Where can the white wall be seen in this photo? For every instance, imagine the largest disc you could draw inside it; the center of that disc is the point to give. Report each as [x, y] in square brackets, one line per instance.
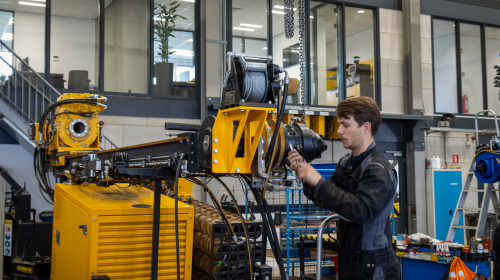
[492, 59]
[73, 40]
[360, 44]
[472, 78]
[279, 43]
[29, 38]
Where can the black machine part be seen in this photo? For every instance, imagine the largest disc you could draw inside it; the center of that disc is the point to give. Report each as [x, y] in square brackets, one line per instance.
[21, 198]
[449, 117]
[265, 272]
[251, 79]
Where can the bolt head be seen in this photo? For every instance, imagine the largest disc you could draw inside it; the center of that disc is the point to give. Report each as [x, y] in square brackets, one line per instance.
[215, 161]
[237, 170]
[190, 217]
[92, 272]
[226, 114]
[215, 150]
[95, 220]
[216, 140]
[242, 110]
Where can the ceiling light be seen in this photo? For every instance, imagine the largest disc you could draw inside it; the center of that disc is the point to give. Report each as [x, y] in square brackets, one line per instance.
[38, 0]
[251, 25]
[192, 1]
[158, 19]
[190, 40]
[264, 48]
[31, 4]
[7, 37]
[282, 7]
[311, 16]
[183, 52]
[244, 29]
[278, 12]
[361, 11]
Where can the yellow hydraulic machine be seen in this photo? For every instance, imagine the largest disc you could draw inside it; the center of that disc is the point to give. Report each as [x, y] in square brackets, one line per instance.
[110, 218]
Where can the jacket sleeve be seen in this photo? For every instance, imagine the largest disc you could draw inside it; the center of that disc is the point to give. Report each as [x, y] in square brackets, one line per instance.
[367, 202]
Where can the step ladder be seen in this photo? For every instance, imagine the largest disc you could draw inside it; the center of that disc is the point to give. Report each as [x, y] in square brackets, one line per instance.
[490, 192]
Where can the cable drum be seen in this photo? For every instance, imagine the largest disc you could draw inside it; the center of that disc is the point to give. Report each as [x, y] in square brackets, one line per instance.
[255, 87]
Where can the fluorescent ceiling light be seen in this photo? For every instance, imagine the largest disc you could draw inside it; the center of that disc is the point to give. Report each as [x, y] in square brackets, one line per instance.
[190, 40]
[283, 7]
[264, 48]
[31, 4]
[38, 0]
[183, 52]
[157, 19]
[278, 12]
[192, 1]
[244, 29]
[361, 11]
[251, 25]
[311, 16]
[7, 37]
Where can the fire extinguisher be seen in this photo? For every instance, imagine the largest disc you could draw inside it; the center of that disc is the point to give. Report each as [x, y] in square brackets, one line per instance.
[465, 104]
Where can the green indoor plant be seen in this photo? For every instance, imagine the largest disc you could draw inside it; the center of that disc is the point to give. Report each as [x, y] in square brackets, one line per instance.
[165, 17]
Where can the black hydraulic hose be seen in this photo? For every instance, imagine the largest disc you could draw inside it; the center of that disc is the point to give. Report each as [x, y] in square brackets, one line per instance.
[271, 235]
[176, 197]
[58, 103]
[276, 127]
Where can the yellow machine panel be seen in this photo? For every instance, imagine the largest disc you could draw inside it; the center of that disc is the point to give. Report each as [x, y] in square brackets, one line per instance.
[108, 231]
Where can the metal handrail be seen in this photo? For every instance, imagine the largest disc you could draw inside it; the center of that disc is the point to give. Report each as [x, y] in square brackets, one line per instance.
[320, 243]
[29, 67]
[496, 122]
[112, 144]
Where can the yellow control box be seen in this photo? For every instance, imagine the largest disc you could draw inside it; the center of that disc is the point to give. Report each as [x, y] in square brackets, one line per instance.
[108, 231]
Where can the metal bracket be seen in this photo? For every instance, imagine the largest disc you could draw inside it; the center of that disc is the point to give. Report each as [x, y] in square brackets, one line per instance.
[58, 235]
[84, 227]
[261, 166]
[395, 153]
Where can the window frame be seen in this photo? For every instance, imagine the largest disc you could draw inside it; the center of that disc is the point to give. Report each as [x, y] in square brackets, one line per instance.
[484, 78]
[150, 68]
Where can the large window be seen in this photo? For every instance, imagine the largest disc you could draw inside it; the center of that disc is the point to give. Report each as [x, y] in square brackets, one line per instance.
[181, 44]
[250, 27]
[328, 46]
[74, 45]
[492, 59]
[459, 85]
[7, 36]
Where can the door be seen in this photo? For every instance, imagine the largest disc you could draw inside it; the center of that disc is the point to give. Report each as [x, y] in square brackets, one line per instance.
[447, 189]
[388, 149]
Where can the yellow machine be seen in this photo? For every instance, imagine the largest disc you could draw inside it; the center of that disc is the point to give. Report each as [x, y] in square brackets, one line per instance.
[107, 221]
[107, 231]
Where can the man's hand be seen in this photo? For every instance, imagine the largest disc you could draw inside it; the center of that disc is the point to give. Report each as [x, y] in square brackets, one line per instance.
[304, 171]
[294, 158]
[308, 174]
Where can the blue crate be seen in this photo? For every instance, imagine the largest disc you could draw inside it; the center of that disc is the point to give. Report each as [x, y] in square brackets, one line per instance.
[325, 169]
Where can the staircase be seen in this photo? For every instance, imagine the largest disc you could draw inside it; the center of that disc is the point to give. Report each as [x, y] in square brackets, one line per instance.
[24, 96]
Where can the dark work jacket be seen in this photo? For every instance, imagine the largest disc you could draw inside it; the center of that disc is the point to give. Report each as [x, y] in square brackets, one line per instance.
[362, 191]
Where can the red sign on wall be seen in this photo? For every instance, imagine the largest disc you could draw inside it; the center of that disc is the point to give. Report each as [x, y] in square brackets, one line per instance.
[463, 74]
[455, 158]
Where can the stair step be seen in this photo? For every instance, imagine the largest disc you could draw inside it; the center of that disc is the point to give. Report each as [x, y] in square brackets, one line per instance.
[474, 190]
[469, 208]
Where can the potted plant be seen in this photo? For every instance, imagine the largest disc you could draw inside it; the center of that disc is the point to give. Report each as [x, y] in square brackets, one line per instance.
[164, 25]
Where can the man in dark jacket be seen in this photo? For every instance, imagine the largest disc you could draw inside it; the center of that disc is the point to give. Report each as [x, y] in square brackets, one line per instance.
[361, 191]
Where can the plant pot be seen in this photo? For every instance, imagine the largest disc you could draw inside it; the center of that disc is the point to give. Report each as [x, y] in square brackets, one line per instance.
[164, 73]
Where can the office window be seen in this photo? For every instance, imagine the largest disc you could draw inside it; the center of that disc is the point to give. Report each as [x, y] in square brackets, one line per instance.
[326, 46]
[471, 68]
[180, 62]
[250, 27]
[492, 59]
[7, 36]
[445, 66]
[286, 51]
[74, 45]
[126, 46]
[324, 60]
[360, 52]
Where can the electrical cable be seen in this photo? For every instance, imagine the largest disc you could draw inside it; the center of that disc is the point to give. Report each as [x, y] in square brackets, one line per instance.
[33, 233]
[278, 122]
[242, 220]
[177, 173]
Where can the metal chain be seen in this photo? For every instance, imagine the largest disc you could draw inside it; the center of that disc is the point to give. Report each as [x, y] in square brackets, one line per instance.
[301, 56]
[288, 18]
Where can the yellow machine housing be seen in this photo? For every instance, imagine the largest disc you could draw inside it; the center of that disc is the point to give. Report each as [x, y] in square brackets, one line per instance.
[74, 133]
[118, 222]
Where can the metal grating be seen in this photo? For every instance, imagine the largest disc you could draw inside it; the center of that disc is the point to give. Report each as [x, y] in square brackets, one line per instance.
[124, 250]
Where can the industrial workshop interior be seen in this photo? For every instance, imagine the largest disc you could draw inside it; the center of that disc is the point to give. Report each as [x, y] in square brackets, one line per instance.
[250, 139]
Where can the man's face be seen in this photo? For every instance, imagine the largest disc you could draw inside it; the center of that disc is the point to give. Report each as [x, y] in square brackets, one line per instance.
[351, 134]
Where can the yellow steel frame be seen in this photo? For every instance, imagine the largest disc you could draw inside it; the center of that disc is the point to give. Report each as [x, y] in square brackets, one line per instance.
[251, 123]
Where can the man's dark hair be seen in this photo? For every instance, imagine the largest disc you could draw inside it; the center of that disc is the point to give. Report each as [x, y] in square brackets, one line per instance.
[363, 109]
